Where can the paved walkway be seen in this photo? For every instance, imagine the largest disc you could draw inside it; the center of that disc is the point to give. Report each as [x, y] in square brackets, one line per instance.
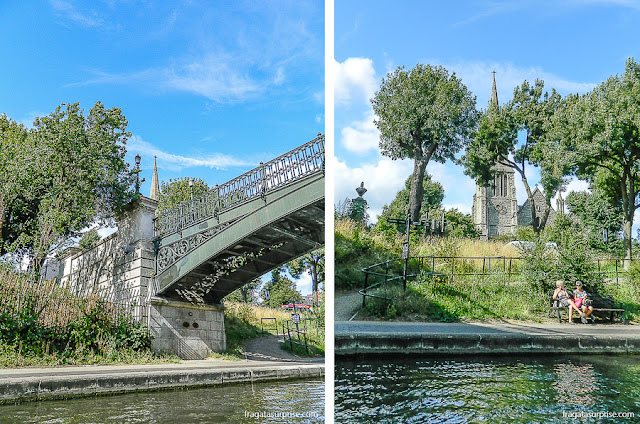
[508, 338]
[267, 348]
[18, 384]
[506, 328]
[346, 304]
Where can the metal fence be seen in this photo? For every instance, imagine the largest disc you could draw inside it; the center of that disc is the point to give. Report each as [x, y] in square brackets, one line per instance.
[300, 162]
[381, 273]
[57, 307]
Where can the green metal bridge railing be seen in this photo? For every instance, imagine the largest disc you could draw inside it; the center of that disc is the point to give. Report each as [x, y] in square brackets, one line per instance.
[298, 163]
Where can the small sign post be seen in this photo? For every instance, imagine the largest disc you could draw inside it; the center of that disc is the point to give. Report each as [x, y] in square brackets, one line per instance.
[405, 246]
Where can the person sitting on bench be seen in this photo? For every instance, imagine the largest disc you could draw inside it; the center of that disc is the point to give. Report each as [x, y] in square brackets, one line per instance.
[580, 298]
[561, 295]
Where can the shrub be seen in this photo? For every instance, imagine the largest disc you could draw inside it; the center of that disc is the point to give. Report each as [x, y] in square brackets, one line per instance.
[42, 319]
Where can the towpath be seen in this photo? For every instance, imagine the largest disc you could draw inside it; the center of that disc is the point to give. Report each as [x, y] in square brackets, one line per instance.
[23, 384]
[391, 338]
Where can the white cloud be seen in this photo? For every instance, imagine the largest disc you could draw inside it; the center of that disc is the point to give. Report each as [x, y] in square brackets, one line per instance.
[177, 163]
[361, 136]
[355, 79]
[383, 179]
[279, 79]
[461, 207]
[304, 284]
[478, 79]
[219, 78]
[85, 19]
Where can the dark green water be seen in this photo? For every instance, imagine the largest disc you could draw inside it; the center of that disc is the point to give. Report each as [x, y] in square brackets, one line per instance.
[488, 390]
[302, 401]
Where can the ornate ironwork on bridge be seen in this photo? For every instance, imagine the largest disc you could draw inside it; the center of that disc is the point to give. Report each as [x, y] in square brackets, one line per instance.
[298, 163]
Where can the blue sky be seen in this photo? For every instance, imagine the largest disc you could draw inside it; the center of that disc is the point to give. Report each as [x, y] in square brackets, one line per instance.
[572, 45]
[211, 88]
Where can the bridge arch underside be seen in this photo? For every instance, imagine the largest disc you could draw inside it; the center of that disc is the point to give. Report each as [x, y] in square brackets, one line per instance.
[247, 242]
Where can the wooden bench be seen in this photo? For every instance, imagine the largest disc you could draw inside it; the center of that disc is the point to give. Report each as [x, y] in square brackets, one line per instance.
[603, 307]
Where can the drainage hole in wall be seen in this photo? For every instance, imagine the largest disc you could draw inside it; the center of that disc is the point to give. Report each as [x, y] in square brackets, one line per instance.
[196, 325]
[185, 324]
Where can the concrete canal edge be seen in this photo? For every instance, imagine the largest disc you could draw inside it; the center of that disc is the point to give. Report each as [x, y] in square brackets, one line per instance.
[359, 344]
[23, 385]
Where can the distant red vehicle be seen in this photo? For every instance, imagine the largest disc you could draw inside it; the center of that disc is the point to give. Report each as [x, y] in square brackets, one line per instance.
[298, 306]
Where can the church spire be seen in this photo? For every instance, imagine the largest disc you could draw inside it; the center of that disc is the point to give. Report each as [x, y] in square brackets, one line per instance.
[155, 185]
[494, 92]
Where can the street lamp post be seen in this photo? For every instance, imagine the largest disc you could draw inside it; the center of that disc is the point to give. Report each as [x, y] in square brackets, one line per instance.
[137, 170]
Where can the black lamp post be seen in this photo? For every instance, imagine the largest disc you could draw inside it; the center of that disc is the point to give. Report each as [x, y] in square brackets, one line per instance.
[137, 170]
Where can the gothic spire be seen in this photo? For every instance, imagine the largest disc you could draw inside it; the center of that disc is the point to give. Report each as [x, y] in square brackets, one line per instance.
[155, 185]
[494, 92]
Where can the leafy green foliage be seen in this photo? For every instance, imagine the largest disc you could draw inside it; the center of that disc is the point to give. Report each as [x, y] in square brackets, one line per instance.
[89, 240]
[247, 293]
[312, 263]
[571, 261]
[354, 250]
[177, 191]
[238, 330]
[596, 213]
[433, 193]
[44, 320]
[423, 114]
[436, 298]
[601, 130]
[358, 210]
[72, 173]
[458, 224]
[279, 290]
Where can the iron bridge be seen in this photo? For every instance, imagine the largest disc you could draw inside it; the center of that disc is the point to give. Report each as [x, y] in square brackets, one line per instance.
[207, 247]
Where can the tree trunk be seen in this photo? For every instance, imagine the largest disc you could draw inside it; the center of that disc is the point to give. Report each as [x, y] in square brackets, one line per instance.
[532, 204]
[628, 208]
[628, 224]
[417, 188]
[545, 216]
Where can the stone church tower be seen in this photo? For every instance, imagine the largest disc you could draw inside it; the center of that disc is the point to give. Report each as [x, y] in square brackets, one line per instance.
[495, 208]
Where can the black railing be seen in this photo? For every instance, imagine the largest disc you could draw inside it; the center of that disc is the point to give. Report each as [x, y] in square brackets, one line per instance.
[275, 324]
[393, 270]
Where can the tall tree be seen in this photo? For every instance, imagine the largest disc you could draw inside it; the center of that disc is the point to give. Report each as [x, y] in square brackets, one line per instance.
[597, 212]
[176, 191]
[496, 142]
[17, 201]
[280, 289]
[602, 130]
[433, 194]
[423, 114]
[246, 293]
[74, 174]
[312, 263]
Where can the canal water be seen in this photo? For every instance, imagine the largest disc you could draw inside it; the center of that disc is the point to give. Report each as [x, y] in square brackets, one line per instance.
[273, 402]
[489, 390]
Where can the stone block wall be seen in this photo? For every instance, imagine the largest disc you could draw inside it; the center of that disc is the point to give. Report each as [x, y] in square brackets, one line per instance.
[121, 268]
[187, 330]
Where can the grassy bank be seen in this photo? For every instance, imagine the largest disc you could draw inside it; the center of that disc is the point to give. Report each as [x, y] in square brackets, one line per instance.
[493, 288]
[42, 324]
[473, 298]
